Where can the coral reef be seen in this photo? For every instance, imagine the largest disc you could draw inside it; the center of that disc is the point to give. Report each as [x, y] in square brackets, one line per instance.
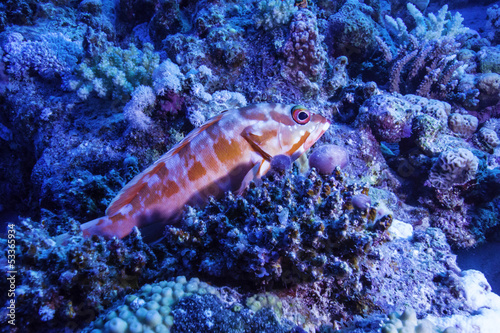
[280, 232]
[70, 285]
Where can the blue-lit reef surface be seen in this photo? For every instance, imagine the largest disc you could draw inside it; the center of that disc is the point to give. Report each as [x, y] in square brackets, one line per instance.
[363, 239]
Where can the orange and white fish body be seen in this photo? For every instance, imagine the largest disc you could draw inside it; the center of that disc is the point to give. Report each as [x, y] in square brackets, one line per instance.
[224, 154]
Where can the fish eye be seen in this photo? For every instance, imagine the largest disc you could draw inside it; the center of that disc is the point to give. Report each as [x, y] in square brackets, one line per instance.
[301, 115]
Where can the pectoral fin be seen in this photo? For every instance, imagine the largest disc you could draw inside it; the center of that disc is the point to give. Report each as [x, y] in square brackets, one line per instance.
[303, 163]
[259, 170]
[258, 139]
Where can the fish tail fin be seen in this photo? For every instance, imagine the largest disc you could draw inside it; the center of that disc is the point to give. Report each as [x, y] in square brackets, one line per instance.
[62, 239]
[107, 227]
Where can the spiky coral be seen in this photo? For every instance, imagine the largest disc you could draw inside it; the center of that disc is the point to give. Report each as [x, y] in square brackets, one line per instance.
[426, 56]
[428, 69]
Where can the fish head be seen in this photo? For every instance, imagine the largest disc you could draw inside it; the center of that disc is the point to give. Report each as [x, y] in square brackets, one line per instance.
[300, 131]
[279, 129]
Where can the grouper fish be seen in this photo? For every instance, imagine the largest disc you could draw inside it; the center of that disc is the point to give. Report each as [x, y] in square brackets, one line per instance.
[224, 154]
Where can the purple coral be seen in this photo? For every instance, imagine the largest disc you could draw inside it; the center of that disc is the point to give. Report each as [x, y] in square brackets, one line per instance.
[305, 57]
[389, 117]
[52, 57]
[281, 163]
[361, 201]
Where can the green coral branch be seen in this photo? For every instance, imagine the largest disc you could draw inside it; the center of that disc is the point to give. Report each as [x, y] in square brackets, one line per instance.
[116, 72]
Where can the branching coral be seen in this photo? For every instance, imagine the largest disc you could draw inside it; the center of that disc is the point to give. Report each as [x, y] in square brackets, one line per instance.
[427, 28]
[115, 72]
[428, 69]
[436, 26]
[426, 56]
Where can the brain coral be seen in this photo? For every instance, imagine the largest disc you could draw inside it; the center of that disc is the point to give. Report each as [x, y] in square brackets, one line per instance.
[488, 138]
[465, 125]
[453, 167]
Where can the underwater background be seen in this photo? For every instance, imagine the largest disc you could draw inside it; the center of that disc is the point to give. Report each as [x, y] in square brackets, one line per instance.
[395, 227]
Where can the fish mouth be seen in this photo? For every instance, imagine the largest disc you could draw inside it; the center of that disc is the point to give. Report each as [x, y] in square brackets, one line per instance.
[322, 126]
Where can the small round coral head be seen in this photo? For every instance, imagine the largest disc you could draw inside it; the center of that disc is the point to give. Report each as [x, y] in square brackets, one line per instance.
[327, 157]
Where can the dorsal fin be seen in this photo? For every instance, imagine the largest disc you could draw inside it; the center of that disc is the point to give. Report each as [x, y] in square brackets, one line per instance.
[130, 191]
